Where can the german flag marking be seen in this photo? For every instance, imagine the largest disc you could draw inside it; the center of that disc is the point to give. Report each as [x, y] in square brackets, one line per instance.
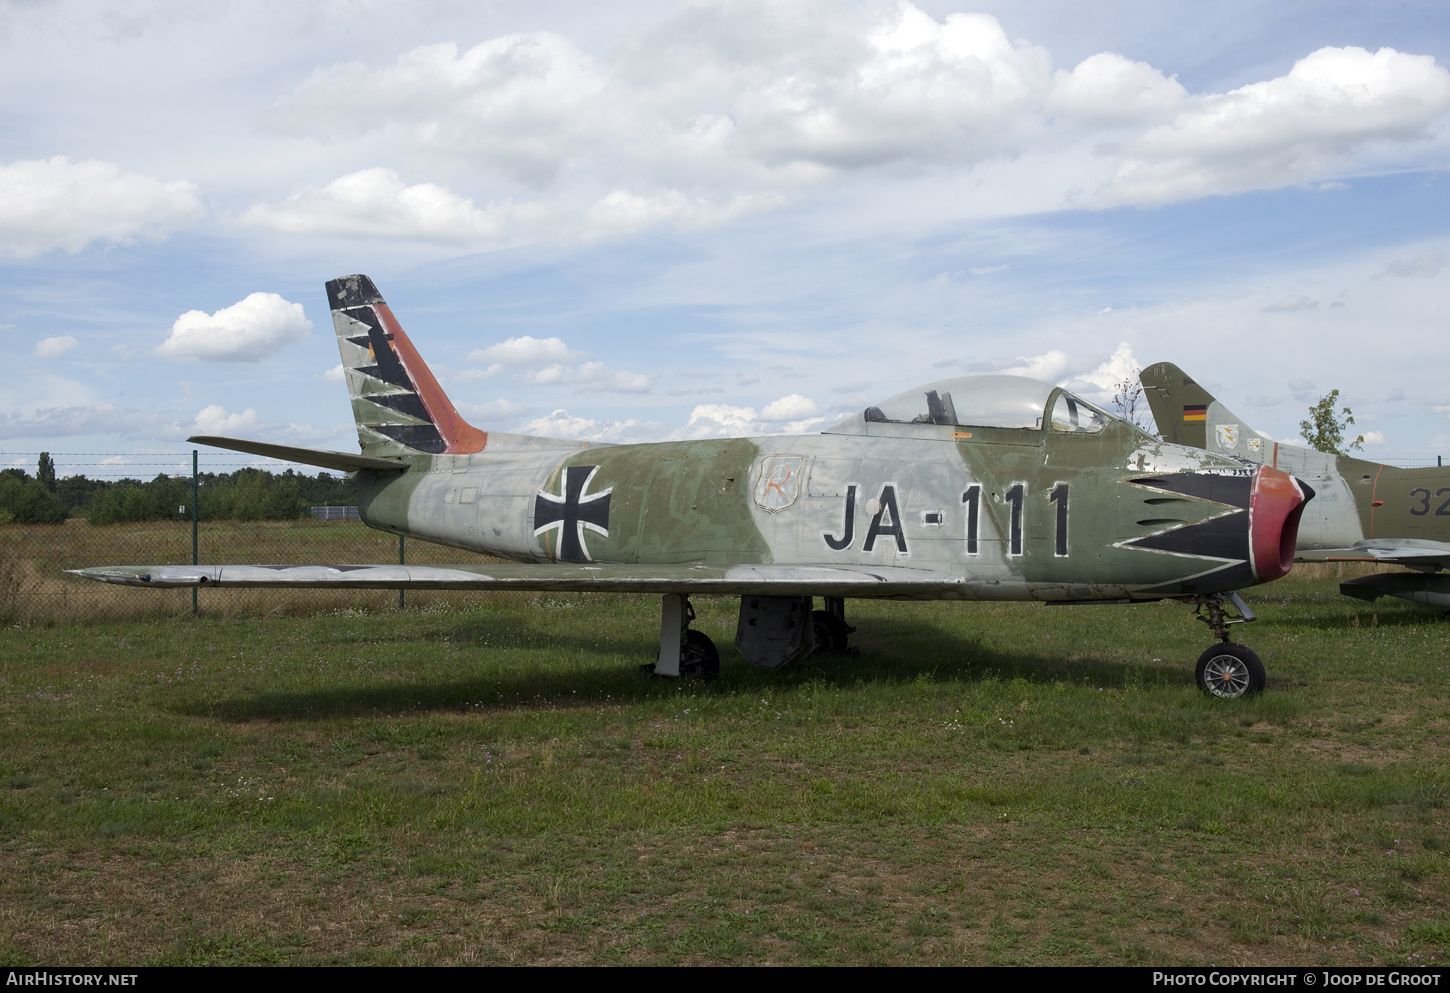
[1195, 411]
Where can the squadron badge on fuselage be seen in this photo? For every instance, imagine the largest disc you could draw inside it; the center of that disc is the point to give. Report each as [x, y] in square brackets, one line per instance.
[778, 483]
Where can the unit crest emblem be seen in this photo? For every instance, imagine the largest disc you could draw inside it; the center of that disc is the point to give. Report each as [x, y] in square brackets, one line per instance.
[778, 482]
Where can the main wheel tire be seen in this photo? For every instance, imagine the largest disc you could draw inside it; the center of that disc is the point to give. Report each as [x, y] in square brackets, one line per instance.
[699, 658]
[1230, 671]
[830, 633]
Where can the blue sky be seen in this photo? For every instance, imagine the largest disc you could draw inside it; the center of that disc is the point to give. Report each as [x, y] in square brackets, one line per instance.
[653, 220]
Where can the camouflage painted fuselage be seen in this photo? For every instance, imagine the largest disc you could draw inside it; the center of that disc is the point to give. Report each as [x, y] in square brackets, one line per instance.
[1016, 513]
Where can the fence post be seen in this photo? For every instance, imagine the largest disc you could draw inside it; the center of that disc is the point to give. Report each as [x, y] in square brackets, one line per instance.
[194, 492]
[400, 562]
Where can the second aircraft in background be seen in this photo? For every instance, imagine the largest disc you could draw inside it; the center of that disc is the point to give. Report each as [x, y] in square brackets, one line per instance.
[1362, 511]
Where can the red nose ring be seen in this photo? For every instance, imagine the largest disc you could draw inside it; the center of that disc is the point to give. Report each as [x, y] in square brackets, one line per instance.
[1275, 505]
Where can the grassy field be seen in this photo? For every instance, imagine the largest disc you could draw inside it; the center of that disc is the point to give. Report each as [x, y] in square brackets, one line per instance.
[491, 781]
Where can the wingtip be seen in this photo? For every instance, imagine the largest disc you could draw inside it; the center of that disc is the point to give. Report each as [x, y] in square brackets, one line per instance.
[123, 575]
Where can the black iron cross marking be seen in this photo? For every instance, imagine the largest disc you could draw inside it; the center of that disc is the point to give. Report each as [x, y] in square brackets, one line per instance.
[571, 512]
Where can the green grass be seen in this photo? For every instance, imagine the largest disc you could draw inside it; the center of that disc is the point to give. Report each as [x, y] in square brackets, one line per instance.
[983, 783]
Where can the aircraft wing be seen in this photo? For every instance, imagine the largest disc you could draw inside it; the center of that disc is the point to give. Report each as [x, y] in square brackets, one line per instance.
[1413, 552]
[768, 580]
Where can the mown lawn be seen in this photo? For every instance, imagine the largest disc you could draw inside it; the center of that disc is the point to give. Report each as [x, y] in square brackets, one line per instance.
[491, 780]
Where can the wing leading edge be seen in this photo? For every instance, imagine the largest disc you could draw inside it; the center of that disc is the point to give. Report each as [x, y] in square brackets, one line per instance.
[1413, 552]
[797, 580]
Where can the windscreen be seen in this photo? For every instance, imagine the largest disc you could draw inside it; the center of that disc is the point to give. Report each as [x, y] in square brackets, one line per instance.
[980, 401]
[1076, 415]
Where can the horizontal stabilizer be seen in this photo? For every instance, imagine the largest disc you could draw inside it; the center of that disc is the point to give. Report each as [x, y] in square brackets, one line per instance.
[795, 580]
[341, 461]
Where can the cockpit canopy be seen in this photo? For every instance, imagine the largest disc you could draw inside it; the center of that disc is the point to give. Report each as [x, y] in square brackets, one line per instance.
[983, 401]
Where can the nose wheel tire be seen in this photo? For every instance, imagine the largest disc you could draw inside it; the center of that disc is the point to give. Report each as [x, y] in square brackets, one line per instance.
[1229, 671]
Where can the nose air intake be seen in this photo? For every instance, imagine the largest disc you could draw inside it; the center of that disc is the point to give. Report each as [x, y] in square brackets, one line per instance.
[1276, 503]
[1247, 533]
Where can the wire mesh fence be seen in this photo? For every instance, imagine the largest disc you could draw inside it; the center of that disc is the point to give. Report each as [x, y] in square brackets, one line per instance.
[112, 466]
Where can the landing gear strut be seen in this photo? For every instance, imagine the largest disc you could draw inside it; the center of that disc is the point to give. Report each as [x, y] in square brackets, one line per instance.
[831, 630]
[1227, 670]
[683, 651]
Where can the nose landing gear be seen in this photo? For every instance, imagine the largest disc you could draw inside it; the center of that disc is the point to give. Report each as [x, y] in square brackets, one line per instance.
[1227, 670]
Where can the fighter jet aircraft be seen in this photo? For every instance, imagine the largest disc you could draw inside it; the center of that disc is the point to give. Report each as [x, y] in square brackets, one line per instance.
[1363, 511]
[979, 488]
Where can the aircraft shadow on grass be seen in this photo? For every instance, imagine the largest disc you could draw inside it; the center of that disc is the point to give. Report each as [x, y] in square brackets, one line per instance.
[947, 658]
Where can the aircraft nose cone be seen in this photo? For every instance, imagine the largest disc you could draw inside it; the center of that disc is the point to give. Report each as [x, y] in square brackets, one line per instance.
[1276, 503]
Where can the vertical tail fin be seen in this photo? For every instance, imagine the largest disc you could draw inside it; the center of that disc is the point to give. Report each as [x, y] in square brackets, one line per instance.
[1188, 414]
[397, 403]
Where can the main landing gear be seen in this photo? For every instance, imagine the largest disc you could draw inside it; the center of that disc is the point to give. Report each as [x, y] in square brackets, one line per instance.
[772, 632]
[1227, 670]
[832, 633]
[683, 651]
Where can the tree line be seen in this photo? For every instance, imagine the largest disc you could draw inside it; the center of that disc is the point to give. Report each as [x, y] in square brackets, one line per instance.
[244, 495]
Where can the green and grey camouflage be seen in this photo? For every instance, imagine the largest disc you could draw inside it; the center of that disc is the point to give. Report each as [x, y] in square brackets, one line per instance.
[975, 488]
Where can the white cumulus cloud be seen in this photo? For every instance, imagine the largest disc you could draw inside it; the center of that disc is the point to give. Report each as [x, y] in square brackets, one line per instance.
[1107, 89]
[720, 420]
[247, 331]
[49, 348]
[1283, 131]
[721, 109]
[562, 424]
[1119, 367]
[54, 203]
[793, 414]
[837, 90]
[215, 419]
[622, 212]
[518, 102]
[1050, 366]
[591, 377]
[525, 350]
[789, 408]
[1094, 379]
[376, 203]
